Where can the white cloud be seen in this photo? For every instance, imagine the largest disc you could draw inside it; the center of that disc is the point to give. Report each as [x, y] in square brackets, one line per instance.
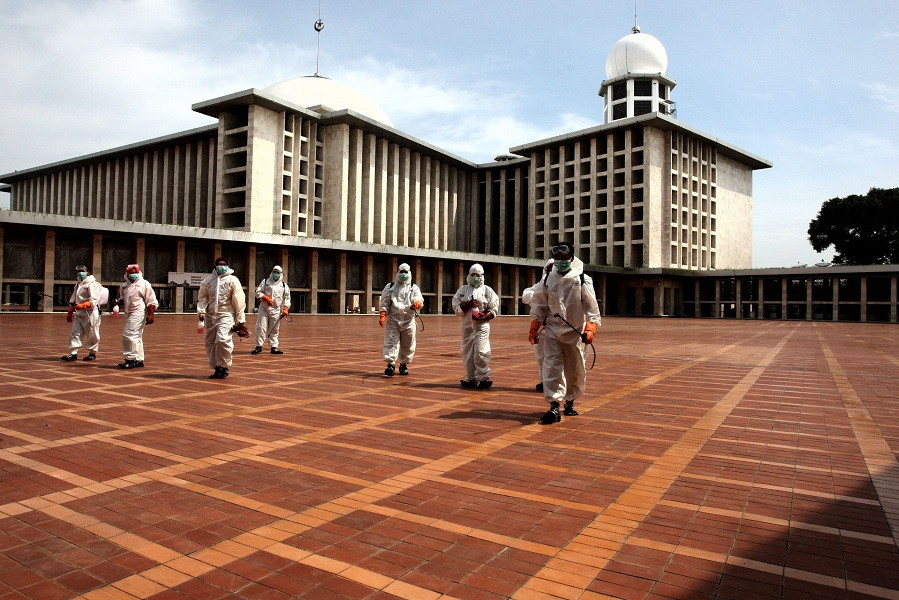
[886, 94]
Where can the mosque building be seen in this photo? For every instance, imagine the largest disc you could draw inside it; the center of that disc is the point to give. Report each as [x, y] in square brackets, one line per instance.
[310, 174]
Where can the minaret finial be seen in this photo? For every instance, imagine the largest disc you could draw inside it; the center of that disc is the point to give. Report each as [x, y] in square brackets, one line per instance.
[636, 28]
[319, 25]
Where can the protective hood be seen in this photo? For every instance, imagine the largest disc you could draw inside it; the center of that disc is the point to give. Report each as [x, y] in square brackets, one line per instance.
[403, 267]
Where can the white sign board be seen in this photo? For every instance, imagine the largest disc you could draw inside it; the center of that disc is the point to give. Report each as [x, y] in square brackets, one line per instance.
[190, 279]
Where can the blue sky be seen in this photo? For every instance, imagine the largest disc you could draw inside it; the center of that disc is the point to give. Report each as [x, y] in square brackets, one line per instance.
[812, 86]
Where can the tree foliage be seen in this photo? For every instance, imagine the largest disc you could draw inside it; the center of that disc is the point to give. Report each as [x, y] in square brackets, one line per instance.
[863, 230]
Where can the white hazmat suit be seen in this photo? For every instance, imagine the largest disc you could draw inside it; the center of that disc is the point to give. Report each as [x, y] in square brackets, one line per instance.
[274, 302]
[222, 303]
[571, 297]
[137, 298]
[400, 300]
[86, 319]
[477, 304]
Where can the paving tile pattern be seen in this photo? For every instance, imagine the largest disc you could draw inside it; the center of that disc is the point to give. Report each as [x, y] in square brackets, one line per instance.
[711, 459]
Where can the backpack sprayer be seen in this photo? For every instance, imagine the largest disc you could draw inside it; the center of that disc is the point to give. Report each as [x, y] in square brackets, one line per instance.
[583, 339]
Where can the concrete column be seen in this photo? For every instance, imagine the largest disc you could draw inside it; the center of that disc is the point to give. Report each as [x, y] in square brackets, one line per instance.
[864, 298]
[341, 283]
[836, 298]
[761, 297]
[439, 283]
[893, 286]
[97, 258]
[140, 251]
[49, 266]
[719, 310]
[313, 282]
[738, 302]
[658, 300]
[251, 272]
[416, 278]
[696, 305]
[783, 298]
[808, 297]
[368, 280]
[180, 259]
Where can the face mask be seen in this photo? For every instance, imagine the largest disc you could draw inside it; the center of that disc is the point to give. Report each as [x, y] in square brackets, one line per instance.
[82, 275]
[475, 280]
[563, 266]
[134, 276]
[404, 277]
[221, 269]
[276, 276]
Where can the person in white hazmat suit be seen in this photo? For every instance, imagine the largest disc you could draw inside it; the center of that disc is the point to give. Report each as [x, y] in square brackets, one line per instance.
[400, 300]
[84, 315]
[221, 305]
[138, 301]
[274, 304]
[567, 295]
[526, 297]
[477, 304]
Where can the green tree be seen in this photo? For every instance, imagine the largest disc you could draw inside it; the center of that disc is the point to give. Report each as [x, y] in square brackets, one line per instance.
[863, 230]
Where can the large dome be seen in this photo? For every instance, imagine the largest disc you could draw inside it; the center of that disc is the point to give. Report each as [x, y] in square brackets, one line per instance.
[314, 91]
[636, 53]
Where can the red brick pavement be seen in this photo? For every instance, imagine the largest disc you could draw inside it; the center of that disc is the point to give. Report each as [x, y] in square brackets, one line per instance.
[711, 459]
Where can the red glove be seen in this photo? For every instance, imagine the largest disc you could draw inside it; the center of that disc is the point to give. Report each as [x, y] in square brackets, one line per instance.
[532, 336]
[265, 298]
[84, 305]
[382, 318]
[590, 331]
[150, 318]
[284, 311]
[416, 305]
[71, 316]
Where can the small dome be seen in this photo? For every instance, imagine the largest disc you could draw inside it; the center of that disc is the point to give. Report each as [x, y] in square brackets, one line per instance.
[636, 53]
[318, 93]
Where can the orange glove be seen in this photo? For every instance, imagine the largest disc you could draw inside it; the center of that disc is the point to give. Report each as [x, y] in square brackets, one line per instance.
[84, 305]
[265, 298]
[71, 316]
[150, 318]
[382, 318]
[416, 305]
[284, 311]
[532, 336]
[590, 331]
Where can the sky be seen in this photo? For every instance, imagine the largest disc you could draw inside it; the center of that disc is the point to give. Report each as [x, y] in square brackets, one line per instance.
[812, 86]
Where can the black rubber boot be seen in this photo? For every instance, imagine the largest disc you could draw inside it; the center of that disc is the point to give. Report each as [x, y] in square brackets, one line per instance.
[552, 415]
[224, 372]
[276, 351]
[69, 357]
[217, 374]
[390, 370]
[569, 409]
[256, 350]
[539, 387]
[403, 369]
[468, 383]
[90, 356]
[130, 364]
[139, 363]
[485, 384]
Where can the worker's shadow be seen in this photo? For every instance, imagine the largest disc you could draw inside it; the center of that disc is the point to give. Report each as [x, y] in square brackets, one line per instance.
[496, 415]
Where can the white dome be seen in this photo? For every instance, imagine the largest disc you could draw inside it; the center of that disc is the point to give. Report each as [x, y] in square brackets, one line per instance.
[315, 91]
[636, 53]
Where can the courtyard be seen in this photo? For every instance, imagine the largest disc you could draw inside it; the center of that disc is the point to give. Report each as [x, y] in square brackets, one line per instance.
[711, 459]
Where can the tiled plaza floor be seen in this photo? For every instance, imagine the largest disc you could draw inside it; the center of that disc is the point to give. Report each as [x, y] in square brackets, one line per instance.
[711, 459]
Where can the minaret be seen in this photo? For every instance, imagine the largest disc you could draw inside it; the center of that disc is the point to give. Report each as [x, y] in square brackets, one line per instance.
[635, 81]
